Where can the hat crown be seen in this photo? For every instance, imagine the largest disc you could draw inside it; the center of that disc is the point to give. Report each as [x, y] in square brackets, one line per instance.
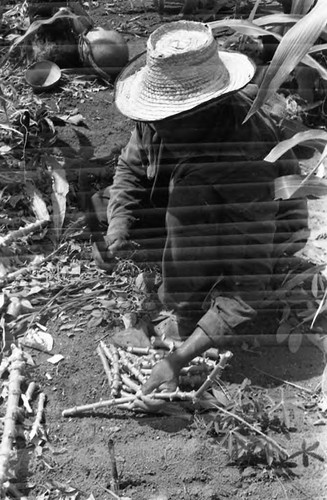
[181, 43]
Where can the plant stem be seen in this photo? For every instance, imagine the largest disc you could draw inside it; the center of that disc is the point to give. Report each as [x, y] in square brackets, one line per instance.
[70, 412]
[309, 391]
[130, 367]
[113, 355]
[39, 416]
[216, 372]
[105, 364]
[114, 474]
[17, 364]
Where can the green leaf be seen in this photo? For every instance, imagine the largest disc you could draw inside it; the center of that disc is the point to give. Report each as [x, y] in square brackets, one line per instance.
[283, 332]
[301, 6]
[316, 456]
[313, 446]
[294, 342]
[315, 138]
[299, 186]
[290, 51]
[279, 19]
[253, 29]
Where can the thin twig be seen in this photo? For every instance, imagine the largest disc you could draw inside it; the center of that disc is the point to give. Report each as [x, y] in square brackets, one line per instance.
[309, 391]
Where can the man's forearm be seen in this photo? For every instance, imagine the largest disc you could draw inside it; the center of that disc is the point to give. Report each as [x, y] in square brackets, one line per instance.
[195, 345]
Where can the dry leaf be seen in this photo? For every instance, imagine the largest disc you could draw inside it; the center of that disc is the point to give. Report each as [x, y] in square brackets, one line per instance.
[54, 360]
[60, 189]
[38, 339]
[37, 203]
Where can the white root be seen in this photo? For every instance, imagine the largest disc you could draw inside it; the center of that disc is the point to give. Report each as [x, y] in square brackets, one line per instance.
[16, 367]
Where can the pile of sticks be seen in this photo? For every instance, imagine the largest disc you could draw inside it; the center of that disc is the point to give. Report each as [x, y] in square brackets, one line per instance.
[128, 369]
[15, 412]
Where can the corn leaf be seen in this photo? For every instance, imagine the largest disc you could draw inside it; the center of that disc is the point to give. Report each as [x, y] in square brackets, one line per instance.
[251, 29]
[299, 186]
[301, 6]
[242, 26]
[314, 138]
[318, 48]
[291, 50]
[279, 19]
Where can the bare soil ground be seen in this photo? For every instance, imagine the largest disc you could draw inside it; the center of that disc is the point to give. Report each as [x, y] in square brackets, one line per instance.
[159, 457]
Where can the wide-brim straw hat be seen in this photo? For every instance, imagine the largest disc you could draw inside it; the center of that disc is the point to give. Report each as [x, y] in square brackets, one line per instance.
[181, 69]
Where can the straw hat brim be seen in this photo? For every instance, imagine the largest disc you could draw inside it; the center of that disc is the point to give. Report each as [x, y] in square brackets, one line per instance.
[138, 105]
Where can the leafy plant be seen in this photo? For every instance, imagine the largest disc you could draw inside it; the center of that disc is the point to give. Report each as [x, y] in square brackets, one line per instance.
[243, 423]
[306, 452]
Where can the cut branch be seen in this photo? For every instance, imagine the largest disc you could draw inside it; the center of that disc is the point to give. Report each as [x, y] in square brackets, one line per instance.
[17, 364]
[70, 412]
[105, 364]
[216, 373]
[23, 231]
[39, 416]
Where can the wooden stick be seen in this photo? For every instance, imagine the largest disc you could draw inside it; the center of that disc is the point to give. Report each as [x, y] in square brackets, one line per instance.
[169, 396]
[141, 350]
[105, 364]
[23, 231]
[39, 415]
[216, 372]
[112, 354]
[26, 398]
[70, 412]
[17, 364]
[130, 383]
[114, 483]
[130, 367]
[30, 390]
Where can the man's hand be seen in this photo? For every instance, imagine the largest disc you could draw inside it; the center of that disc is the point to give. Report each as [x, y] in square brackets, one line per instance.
[103, 258]
[104, 251]
[163, 377]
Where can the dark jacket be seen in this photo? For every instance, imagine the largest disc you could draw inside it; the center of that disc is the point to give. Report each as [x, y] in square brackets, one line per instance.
[215, 200]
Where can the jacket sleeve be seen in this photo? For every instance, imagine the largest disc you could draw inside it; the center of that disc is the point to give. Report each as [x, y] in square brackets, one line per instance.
[130, 186]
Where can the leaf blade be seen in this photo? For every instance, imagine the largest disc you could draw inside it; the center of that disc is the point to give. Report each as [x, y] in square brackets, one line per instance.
[291, 50]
